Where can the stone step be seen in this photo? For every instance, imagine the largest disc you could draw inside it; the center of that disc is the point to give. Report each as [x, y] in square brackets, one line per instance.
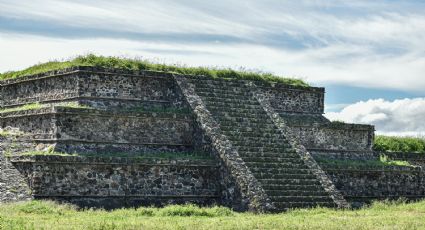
[254, 135]
[273, 139]
[286, 149]
[260, 131]
[243, 120]
[289, 181]
[230, 100]
[295, 159]
[284, 170]
[267, 141]
[240, 105]
[283, 176]
[300, 198]
[240, 111]
[223, 112]
[261, 146]
[293, 205]
[283, 154]
[297, 192]
[230, 124]
[274, 165]
[289, 187]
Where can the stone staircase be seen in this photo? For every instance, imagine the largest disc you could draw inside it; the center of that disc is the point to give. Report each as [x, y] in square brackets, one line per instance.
[286, 179]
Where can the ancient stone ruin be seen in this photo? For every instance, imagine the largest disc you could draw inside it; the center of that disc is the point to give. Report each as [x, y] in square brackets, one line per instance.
[112, 138]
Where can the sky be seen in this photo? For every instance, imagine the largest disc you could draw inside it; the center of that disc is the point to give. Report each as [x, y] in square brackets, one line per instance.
[369, 55]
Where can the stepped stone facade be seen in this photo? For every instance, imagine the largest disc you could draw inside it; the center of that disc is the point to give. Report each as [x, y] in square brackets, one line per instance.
[153, 138]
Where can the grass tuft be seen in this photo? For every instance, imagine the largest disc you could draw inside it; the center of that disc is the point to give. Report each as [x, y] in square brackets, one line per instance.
[43, 207]
[142, 64]
[192, 210]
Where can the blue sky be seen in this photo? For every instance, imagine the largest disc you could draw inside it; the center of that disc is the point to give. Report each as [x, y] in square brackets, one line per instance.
[370, 55]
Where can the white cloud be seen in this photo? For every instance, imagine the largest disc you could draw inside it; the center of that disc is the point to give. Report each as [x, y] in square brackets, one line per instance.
[357, 43]
[398, 117]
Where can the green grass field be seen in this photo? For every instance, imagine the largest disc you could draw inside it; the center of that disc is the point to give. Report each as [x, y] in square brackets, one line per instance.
[48, 215]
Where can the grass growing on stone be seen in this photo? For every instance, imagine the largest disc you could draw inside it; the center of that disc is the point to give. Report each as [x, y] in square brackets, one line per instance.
[34, 106]
[49, 215]
[141, 64]
[399, 144]
[382, 162]
[136, 156]
[5, 133]
[22, 108]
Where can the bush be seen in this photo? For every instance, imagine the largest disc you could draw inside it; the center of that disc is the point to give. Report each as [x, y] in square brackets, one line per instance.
[399, 144]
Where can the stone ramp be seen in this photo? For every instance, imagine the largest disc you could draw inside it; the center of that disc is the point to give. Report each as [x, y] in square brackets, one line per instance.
[285, 178]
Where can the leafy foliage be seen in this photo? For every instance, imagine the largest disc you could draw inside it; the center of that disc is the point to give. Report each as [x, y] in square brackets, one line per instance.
[399, 144]
[141, 64]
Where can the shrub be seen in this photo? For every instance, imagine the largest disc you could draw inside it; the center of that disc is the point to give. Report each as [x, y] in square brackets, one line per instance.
[399, 144]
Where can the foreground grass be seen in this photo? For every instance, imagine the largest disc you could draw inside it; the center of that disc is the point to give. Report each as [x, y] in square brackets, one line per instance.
[140, 64]
[399, 144]
[48, 215]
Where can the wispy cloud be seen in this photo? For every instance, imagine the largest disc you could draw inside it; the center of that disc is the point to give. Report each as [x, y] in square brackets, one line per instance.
[360, 43]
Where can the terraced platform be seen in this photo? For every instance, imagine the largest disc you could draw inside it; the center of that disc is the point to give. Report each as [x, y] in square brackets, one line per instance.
[83, 134]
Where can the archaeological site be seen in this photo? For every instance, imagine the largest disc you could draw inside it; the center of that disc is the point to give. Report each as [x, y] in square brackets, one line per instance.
[111, 138]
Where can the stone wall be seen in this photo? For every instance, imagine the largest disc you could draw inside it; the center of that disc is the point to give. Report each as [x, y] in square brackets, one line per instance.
[292, 99]
[362, 185]
[132, 128]
[34, 124]
[330, 136]
[96, 87]
[109, 88]
[96, 127]
[13, 185]
[133, 181]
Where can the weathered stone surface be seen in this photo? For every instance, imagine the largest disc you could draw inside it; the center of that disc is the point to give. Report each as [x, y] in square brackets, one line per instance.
[142, 130]
[68, 177]
[96, 87]
[257, 140]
